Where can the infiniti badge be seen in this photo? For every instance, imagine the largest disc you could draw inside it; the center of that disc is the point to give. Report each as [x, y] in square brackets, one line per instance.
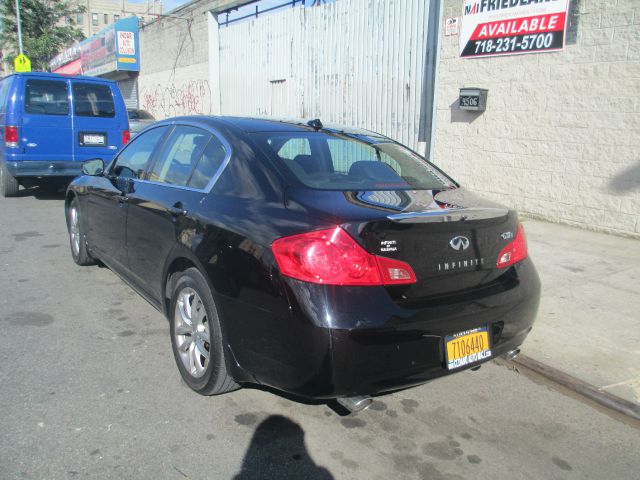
[459, 243]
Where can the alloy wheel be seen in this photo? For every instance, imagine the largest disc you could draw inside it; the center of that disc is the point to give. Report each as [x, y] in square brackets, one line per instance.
[191, 332]
[74, 230]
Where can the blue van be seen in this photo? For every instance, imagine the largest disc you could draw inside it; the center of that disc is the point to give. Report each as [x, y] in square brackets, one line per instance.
[50, 124]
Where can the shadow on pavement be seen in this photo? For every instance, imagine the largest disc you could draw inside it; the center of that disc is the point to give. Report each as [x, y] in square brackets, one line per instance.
[277, 450]
[42, 193]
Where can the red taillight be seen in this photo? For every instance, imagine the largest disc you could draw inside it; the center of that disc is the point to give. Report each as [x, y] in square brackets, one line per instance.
[11, 136]
[515, 251]
[332, 257]
[126, 136]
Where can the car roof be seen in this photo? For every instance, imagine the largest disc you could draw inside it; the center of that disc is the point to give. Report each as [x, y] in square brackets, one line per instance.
[60, 76]
[264, 124]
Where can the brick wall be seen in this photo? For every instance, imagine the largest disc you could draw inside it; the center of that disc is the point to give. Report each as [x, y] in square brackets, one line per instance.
[560, 138]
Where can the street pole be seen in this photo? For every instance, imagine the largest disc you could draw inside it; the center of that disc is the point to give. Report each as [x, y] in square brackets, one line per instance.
[19, 25]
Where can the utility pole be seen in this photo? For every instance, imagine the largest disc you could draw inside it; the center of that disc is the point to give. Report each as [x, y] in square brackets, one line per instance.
[19, 25]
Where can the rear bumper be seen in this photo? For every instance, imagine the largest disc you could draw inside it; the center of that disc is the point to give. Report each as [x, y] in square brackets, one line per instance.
[44, 169]
[357, 341]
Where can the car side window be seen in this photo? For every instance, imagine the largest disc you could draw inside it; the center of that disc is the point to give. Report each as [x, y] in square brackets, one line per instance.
[208, 165]
[179, 156]
[134, 159]
[46, 97]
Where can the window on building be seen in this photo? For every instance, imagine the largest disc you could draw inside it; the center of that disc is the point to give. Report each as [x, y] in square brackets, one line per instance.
[116, 18]
[79, 18]
[94, 19]
[106, 18]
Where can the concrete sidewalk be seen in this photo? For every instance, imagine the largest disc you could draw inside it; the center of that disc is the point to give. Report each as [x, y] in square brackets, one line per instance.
[588, 325]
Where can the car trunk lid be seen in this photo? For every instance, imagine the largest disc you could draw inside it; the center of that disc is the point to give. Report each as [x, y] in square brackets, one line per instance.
[450, 238]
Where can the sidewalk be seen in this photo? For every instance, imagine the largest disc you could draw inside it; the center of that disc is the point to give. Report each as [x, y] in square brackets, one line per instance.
[588, 325]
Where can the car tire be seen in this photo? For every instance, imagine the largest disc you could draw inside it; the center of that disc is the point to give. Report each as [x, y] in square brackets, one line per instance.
[77, 240]
[196, 334]
[8, 184]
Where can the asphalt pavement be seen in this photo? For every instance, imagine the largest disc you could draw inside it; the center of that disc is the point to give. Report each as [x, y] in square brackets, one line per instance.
[89, 389]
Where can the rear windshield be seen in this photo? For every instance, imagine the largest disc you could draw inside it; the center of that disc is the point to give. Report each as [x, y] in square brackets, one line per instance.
[339, 162]
[93, 100]
[139, 115]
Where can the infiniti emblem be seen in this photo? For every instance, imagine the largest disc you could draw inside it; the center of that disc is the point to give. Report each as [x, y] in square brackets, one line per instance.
[459, 243]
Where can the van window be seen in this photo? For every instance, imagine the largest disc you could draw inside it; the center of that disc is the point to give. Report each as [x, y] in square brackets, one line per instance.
[46, 97]
[4, 93]
[93, 100]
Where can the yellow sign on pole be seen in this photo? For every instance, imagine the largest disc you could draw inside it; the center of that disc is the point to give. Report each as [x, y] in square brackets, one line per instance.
[22, 63]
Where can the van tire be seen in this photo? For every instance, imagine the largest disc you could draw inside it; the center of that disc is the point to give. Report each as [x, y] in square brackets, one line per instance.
[8, 184]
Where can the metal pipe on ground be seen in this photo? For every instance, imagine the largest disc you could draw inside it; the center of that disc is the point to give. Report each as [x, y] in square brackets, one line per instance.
[591, 392]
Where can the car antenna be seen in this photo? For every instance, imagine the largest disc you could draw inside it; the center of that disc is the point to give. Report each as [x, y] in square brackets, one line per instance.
[316, 124]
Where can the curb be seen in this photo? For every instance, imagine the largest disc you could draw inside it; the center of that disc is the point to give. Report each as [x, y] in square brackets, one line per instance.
[591, 392]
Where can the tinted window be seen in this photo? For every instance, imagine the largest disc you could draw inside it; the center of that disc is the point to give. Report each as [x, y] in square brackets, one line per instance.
[294, 147]
[93, 100]
[4, 93]
[210, 162]
[342, 162]
[179, 156]
[46, 97]
[139, 115]
[134, 159]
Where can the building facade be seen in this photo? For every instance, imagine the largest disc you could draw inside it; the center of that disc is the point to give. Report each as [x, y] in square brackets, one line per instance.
[99, 14]
[112, 53]
[558, 139]
[555, 141]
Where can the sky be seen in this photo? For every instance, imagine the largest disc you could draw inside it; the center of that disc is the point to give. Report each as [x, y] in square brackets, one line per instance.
[167, 5]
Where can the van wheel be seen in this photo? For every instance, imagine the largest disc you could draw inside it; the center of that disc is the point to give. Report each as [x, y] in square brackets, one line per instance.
[8, 184]
[79, 250]
[196, 336]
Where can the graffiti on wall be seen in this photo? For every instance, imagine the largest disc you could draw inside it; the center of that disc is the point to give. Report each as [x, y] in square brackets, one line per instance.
[172, 99]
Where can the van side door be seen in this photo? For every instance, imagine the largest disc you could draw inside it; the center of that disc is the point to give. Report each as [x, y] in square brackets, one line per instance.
[45, 133]
[96, 122]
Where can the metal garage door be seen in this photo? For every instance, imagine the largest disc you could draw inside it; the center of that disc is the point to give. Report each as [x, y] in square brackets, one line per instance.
[129, 90]
[353, 61]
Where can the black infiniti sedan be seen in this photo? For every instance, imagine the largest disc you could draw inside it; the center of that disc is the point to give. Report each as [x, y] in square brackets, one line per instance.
[324, 261]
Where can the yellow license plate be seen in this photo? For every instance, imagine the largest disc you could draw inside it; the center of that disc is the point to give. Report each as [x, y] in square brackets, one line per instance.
[467, 347]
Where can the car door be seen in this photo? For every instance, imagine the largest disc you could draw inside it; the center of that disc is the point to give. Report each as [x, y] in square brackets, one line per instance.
[162, 210]
[97, 128]
[46, 134]
[107, 202]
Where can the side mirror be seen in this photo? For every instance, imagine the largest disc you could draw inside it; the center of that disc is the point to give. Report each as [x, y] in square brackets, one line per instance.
[93, 167]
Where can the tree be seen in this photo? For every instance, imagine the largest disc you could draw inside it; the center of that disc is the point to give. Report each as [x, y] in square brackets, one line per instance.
[48, 26]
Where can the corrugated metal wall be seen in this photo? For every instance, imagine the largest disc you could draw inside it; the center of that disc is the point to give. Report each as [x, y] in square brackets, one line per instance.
[357, 62]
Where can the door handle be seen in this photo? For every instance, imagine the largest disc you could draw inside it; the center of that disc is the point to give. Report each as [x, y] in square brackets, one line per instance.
[177, 210]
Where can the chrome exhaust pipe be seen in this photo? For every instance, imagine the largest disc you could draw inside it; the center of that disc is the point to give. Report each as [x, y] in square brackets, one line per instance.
[355, 404]
[511, 354]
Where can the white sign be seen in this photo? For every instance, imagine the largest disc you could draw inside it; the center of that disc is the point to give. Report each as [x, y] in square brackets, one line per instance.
[508, 27]
[451, 26]
[126, 43]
